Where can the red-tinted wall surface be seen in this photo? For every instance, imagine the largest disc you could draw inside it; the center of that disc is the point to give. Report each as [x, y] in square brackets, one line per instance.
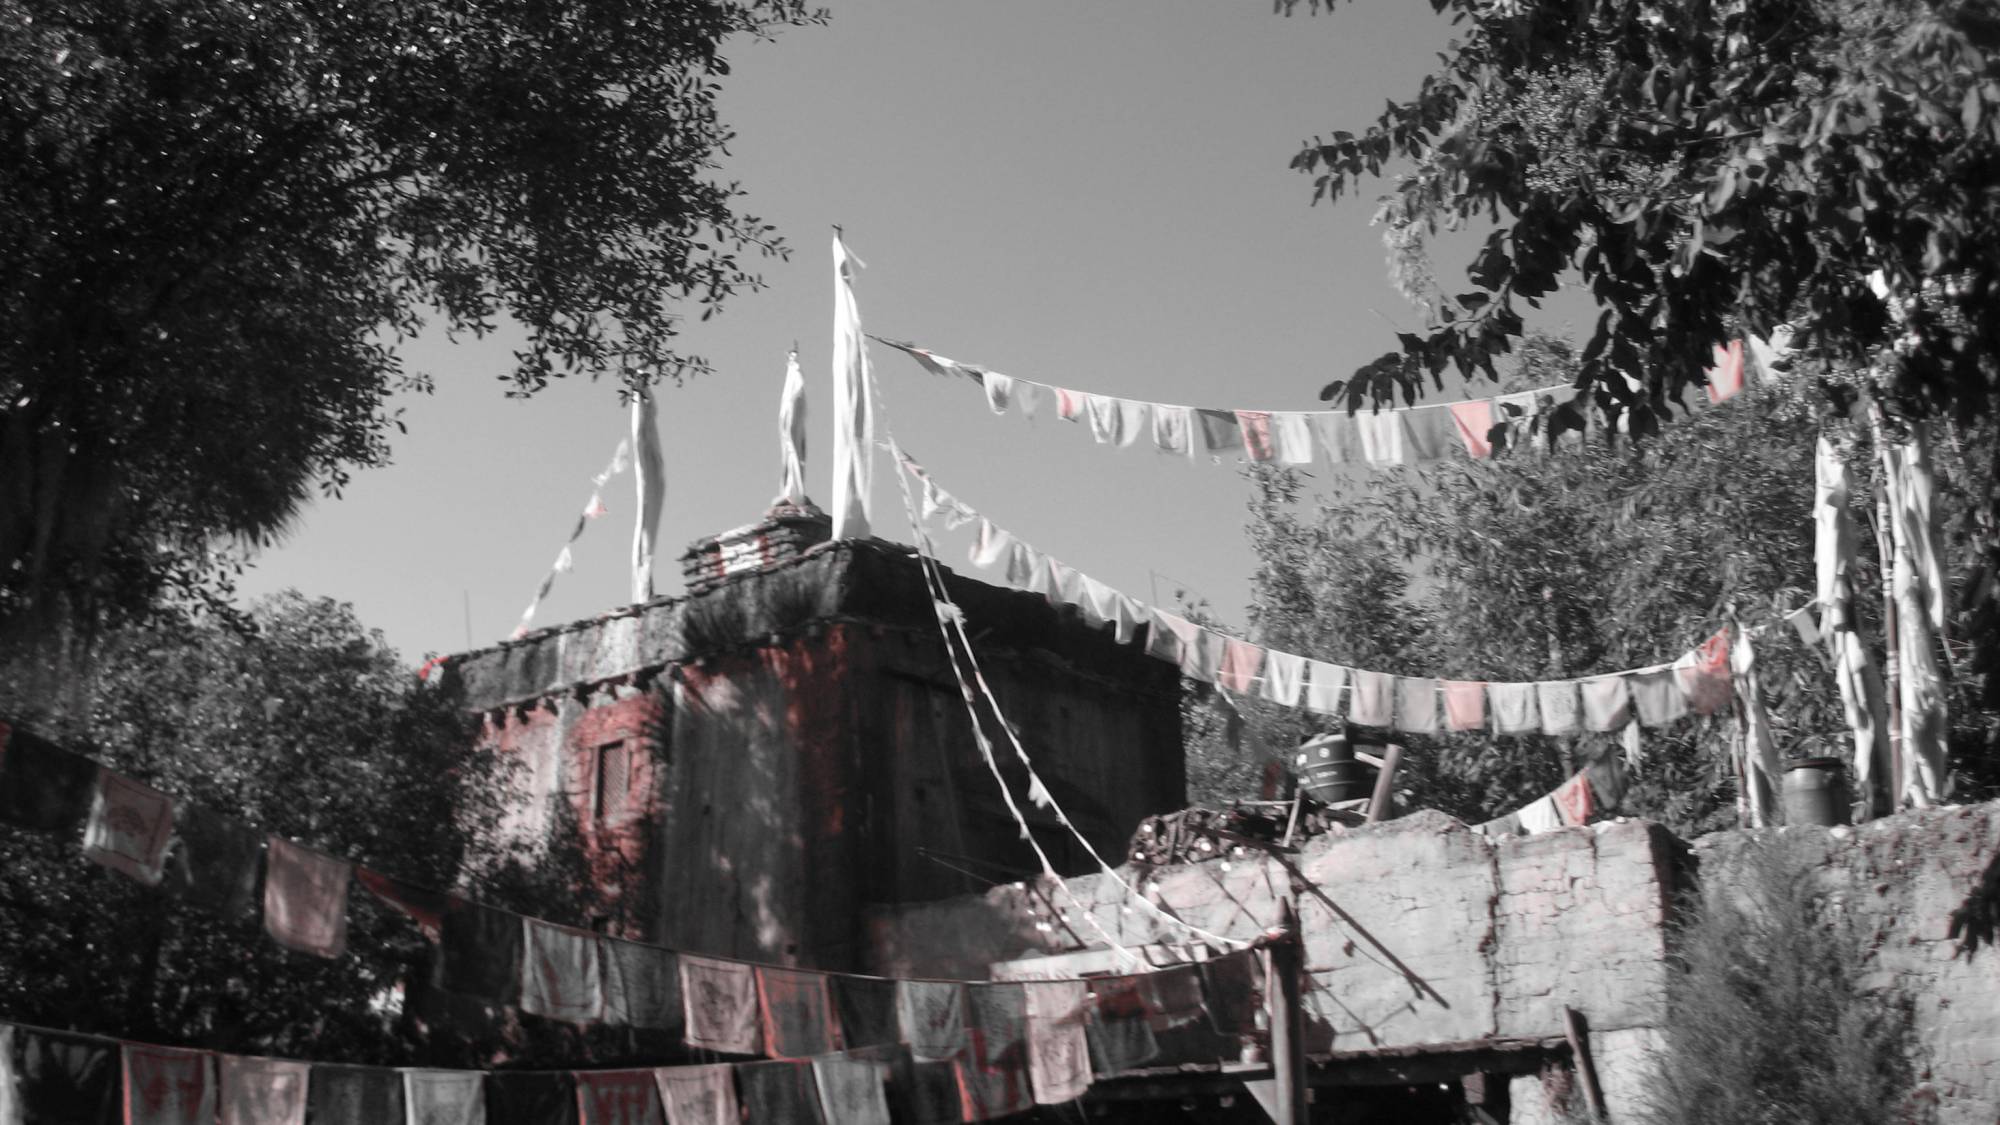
[784, 762]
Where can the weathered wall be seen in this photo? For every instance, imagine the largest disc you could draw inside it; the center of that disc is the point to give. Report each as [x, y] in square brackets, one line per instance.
[1418, 931]
[807, 749]
[1902, 877]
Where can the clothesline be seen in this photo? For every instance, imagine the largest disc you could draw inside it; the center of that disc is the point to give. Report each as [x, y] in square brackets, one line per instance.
[1382, 436]
[1656, 694]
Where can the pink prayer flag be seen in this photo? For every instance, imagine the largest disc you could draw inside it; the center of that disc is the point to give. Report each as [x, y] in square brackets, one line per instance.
[305, 898]
[1474, 421]
[1725, 379]
[1256, 427]
[618, 1097]
[1573, 800]
[1069, 404]
[1464, 704]
[1241, 661]
[1704, 675]
[166, 1086]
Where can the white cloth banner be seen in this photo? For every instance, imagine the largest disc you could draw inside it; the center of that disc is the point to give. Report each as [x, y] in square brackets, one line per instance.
[792, 434]
[649, 477]
[853, 407]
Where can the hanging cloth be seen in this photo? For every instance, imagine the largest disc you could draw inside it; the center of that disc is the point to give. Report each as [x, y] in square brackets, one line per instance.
[1135, 422]
[54, 1077]
[1725, 379]
[1513, 707]
[1172, 637]
[1030, 396]
[698, 1095]
[1416, 705]
[129, 827]
[441, 1097]
[932, 1016]
[642, 985]
[419, 904]
[1324, 684]
[617, 1097]
[1284, 678]
[1657, 697]
[1917, 589]
[1464, 704]
[1474, 421]
[261, 1091]
[796, 1009]
[853, 1088]
[163, 1086]
[1291, 437]
[1107, 425]
[1069, 404]
[354, 1095]
[479, 954]
[305, 898]
[866, 1007]
[1429, 433]
[721, 1003]
[778, 1092]
[1338, 435]
[1759, 766]
[1202, 658]
[1561, 710]
[1703, 674]
[1173, 428]
[1255, 428]
[1374, 699]
[1241, 663]
[1573, 801]
[990, 546]
[1607, 703]
[1381, 437]
[791, 434]
[1058, 1046]
[530, 1097]
[214, 863]
[999, 390]
[561, 977]
[1541, 815]
[1861, 694]
[993, 1075]
[649, 477]
[853, 406]
[1119, 1035]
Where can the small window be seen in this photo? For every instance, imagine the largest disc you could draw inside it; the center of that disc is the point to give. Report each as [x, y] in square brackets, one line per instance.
[614, 780]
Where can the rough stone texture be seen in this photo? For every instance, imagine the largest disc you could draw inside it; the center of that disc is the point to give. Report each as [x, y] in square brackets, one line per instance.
[1418, 931]
[1903, 876]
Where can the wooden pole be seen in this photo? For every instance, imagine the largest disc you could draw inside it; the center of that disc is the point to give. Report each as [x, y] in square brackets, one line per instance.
[1885, 545]
[1577, 1029]
[1288, 1047]
[1385, 778]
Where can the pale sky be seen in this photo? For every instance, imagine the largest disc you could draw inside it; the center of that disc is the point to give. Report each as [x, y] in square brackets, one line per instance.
[1092, 194]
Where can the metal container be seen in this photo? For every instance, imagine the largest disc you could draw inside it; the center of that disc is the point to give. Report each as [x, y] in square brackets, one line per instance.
[1328, 772]
[1816, 791]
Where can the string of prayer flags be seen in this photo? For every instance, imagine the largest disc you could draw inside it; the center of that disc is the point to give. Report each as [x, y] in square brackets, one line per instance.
[1397, 436]
[620, 460]
[1699, 682]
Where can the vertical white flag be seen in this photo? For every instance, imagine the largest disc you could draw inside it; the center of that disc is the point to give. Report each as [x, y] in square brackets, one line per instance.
[1861, 694]
[853, 410]
[792, 434]
[649, 475]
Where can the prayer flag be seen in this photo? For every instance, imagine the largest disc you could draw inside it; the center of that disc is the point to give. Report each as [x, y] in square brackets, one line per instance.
[263, 1091]
[721, 1003]
[443, 1097]
[1464, 704]
[129, 827]
[697, 1095]
[796, 1009]
[164, 1086]
[561, 978]
[619, 1097]
[305, 898]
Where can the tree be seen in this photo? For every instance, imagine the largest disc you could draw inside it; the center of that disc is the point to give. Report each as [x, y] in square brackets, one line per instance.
[1705, 170]
[305, 726]
[215, 220]
[1595, 556]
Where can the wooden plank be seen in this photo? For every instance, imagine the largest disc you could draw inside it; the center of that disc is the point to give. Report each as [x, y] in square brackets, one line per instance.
[1577, 1029]
[1288, 1025]
[1385, 779]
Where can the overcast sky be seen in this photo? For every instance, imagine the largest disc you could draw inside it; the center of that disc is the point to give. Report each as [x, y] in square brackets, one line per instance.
[1092, 194]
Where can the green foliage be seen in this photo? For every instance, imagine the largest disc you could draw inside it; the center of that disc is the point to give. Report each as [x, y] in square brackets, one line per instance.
[215, 220]
[1773, 1011]
[1703, 170]
[1595, 556]
[307, 727]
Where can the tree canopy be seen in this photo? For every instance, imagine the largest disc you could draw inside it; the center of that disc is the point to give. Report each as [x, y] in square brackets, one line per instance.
[1702, 171]
[217, 219]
